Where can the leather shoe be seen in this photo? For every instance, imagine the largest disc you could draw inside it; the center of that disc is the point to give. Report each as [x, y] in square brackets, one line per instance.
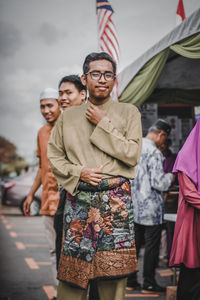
[153, 289]
[133, 285]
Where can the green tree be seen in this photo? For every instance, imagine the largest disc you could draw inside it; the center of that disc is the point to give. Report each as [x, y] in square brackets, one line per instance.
[10, 161]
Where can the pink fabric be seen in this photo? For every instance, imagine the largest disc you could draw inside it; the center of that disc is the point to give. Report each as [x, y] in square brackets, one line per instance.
[186, 241]
[188, 159]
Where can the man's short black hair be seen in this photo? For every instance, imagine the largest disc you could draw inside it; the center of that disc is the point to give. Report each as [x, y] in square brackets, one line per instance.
[98, 56]
[75, 79]
[159, 125]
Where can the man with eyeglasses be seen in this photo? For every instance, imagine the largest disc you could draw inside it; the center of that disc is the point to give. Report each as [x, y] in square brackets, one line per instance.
[93, 151]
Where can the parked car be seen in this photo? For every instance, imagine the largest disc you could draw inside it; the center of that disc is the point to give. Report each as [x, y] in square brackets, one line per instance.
[15, 190]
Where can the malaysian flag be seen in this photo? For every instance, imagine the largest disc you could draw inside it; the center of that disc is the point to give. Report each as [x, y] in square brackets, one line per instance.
[180, 13]
[107, 35]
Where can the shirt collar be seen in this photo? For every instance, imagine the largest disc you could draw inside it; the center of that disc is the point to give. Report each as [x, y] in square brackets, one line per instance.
[150, 142]
[104, 106]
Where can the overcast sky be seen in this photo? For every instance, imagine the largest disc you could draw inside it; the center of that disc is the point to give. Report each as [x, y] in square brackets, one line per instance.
[43, 40]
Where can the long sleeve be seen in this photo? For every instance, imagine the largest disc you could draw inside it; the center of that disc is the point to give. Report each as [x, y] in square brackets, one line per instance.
[189, 190]
[159, 180]
[126, 146]
[67, 174]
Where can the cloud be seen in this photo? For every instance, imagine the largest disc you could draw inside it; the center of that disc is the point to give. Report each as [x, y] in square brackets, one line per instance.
[10, 39]
[50, 34]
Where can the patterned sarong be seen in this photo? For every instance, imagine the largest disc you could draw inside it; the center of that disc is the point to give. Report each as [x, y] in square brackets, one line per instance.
[98, 233]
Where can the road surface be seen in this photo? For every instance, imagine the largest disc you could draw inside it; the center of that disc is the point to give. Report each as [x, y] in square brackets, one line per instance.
[25, 267]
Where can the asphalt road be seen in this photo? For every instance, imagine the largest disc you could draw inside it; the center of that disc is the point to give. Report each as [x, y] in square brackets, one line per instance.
[25, 268]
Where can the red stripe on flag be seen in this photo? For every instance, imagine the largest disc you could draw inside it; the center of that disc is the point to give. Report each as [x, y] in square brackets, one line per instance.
[100, 25]
[108, 38]
[104, 23]
[111, 43]
[108, 46]
[108, 49]
[99, 15]
[113, 32]
[114, 37]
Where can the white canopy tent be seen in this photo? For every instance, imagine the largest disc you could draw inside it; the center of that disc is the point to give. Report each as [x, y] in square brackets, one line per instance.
[169, 72]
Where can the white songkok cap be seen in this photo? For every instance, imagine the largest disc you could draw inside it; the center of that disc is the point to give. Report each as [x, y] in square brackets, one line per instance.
[49, 93]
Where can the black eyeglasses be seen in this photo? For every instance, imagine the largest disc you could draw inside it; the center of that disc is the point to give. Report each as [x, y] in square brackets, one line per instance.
[96, 75]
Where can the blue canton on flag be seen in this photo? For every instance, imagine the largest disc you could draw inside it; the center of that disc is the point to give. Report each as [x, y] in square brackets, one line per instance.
[104, 4]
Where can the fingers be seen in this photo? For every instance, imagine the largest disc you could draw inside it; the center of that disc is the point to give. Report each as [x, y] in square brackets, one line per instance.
[27, 213]
[90, 111]
[98, 170]
[92, 107]
[97, 175]
[91, 175]
[26, 209]
[94, 114]
[95, 179]
[88, 115]
[93, 183]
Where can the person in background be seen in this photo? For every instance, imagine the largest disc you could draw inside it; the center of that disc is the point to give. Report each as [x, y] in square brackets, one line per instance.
[185, 251]
[148, 204]
[26, 169]
[170, 157]
[93, 151]
[50, 110]
[71, 93]
[168, 228]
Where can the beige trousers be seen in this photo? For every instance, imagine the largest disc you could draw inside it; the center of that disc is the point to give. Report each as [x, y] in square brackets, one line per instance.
[107, 289]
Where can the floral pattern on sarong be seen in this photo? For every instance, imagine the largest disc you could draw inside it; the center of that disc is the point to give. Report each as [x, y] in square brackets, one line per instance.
[96, 221]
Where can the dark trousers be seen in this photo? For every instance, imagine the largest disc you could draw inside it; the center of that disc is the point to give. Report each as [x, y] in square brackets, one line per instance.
[188, 284]
[150, 237]
[58, 224]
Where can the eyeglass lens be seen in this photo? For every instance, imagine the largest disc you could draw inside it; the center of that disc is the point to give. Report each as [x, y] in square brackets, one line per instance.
[96, 75]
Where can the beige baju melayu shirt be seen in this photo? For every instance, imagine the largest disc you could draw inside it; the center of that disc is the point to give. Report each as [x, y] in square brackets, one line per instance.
[114, 143]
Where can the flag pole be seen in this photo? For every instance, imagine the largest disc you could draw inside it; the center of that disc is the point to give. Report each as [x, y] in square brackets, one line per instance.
[107, 35]
[98, 42]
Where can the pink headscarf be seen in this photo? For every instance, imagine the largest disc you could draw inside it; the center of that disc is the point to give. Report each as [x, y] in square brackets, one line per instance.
[188, 158]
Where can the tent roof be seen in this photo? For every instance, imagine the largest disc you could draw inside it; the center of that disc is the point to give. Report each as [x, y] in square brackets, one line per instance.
[171, 76]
